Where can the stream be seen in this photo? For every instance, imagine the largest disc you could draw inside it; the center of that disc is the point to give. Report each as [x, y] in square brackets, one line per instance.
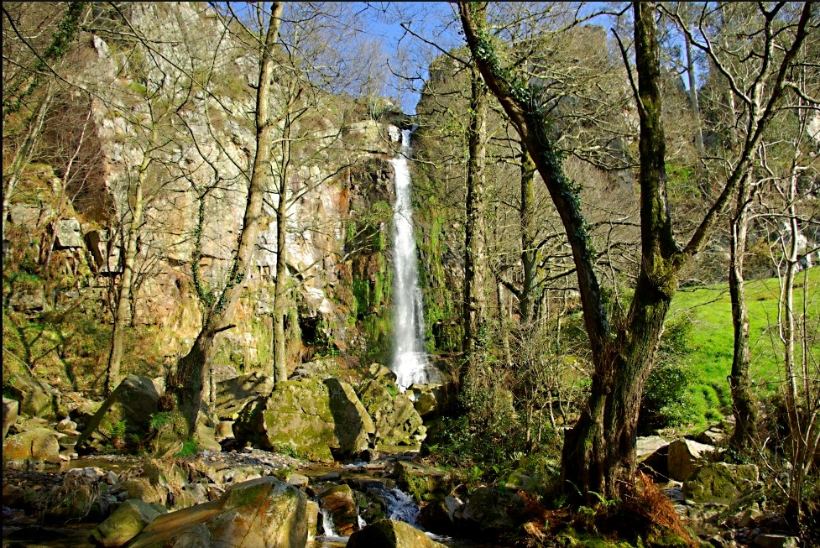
[372, 479]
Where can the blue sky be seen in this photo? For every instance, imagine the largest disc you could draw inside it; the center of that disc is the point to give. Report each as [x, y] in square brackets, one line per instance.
[407, 55]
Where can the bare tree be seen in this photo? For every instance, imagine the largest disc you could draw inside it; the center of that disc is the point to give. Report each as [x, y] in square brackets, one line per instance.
[188, 382]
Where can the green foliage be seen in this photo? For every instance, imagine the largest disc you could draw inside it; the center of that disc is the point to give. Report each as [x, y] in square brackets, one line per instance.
[117, 430]
[189, 448]
[160, 419]
[666, 400]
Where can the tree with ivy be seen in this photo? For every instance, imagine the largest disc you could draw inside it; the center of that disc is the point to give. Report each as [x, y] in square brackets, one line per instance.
[599, 451]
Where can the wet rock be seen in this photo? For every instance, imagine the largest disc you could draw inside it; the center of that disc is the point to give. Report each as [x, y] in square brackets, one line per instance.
[38, 444]
[126, 522]
[264, 512]
[312, 521]
[423, 482]
[720, 482]
[123, 417]
[234, 394]
[84, 494]
[10, 408]
[684, 457]
[388, 533]
[338, 501]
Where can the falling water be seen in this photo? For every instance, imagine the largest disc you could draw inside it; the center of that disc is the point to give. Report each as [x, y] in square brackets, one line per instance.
[410, 362]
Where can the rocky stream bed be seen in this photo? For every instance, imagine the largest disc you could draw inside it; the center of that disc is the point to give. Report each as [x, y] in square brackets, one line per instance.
[323, 462]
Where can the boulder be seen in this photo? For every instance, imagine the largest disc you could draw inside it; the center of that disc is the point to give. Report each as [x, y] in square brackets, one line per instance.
[224, 431]
[339, 502]
[37, 444]
[158, 482]
[123, 417]
[10, 408]
[399, 427]
[234, 394]
[684, 457]
[720, 482]
[264, 512]
[714, 435]
[68, 234]
[353, 426]
[297, 480]
[28, 298]
[126, 522]
[425, 402]
[309, 417]
[297, 417]
[439, 516]
[489, 509]
[37, 399]
[388, 533]
[421, 481]
[647, 445]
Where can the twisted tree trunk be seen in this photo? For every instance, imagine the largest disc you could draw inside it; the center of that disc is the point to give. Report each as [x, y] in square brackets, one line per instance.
[187, 384]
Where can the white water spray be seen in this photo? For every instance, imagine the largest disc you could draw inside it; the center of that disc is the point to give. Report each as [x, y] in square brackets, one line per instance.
[410, 362]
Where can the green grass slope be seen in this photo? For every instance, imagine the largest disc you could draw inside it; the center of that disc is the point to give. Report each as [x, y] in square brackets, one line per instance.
[708, 355]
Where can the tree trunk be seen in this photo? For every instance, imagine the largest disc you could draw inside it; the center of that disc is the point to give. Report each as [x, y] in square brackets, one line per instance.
[124, 295]
[22, 156]
[599, 452]
[743, 405]
[693, 96]
[187, 384]
[474, 256]
[280, 368]
[528, 252]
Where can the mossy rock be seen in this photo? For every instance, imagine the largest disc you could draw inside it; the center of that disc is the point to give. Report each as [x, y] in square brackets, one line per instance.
[38, 444]
[263, 512]
[126, 522]
[721, 482]
[125, 416]
[297, 416]
[353, 425]
[424, 483]
[399, 427]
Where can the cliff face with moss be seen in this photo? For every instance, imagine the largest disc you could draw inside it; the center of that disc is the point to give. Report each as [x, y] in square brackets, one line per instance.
[339, 186]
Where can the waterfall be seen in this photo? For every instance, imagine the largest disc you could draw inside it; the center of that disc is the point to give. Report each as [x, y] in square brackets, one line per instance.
[410, 362]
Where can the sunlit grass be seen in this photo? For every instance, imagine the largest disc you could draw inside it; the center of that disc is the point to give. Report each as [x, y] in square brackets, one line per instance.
[709, 356]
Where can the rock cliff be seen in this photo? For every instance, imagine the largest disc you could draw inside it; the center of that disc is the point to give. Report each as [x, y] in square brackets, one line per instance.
[179, 106]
